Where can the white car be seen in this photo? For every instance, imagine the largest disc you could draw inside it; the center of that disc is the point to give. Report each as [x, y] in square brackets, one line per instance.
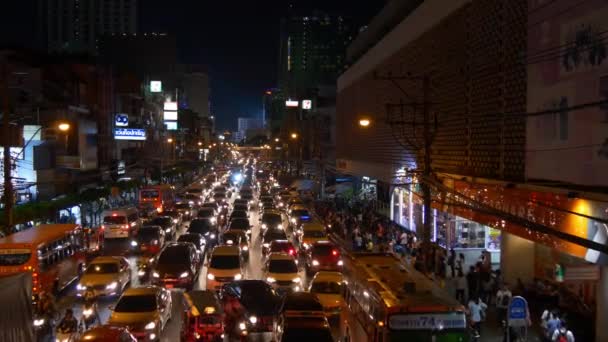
[281, 271]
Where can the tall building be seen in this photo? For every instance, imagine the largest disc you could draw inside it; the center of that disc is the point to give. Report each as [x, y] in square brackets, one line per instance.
[312, 51]
[245, 124]
[73, 26]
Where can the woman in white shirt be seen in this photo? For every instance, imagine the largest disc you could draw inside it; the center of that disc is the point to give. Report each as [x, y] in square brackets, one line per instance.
[477, 310]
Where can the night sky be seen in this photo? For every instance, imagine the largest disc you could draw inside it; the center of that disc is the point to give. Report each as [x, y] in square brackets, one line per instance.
[236, 40]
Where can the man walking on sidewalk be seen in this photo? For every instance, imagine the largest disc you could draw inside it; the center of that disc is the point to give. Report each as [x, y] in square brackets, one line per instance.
[503, 297]
[477, 310]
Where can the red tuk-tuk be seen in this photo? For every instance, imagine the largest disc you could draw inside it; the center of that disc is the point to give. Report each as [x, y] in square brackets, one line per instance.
[203, 317]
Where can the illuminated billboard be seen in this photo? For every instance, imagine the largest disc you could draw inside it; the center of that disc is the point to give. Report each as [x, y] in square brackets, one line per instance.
[306, 104]
[290, 103]
[129, 134]
[170, 116]
[171, 125]
[171, 106]
[156, 86]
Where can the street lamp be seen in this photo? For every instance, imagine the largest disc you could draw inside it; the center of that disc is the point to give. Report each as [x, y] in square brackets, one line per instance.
[364, 122]
[294, 135]
[276, 139]
[64, 126]
[200, 143]
[170, 140]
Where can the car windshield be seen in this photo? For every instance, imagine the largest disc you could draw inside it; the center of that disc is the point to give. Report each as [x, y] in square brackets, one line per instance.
[324, 250]
[280, 247]
[307, 334]
[174, 255]
[196, 240]
[207, 212]
[240, 207]
[162, 221]
[225, 262]
[239, 224]
[325, 287]
[14, 257]
[200, 226]
[142, 303]
[271, 219]
[115, 220]
[274, 235]
[102, 268]
[231, 237]
[282, 266]
[147, 234]
[238, 214]
[314, 233]
[185, 206]
[149, 194]
[300, 213]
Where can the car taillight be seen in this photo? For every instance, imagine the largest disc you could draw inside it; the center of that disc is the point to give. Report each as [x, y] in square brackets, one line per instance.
[291, 251]
[334, 252]
[126, 226]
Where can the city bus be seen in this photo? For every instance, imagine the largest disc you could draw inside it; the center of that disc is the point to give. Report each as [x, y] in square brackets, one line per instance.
[160, 197]
[386, 300]
[53, 253]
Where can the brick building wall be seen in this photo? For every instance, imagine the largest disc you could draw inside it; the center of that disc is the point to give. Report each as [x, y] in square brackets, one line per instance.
[474, 60]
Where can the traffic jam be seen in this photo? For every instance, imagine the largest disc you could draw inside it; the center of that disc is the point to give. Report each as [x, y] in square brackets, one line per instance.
[233, 256]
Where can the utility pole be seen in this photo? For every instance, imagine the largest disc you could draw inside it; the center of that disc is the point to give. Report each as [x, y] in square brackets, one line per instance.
[426, 187]
[8, 185]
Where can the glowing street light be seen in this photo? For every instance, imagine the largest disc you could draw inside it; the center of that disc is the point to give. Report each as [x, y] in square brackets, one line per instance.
[276, 139]
[200, 143]
[364, 122]
[170, 140]
[64, 126]
[294, 135]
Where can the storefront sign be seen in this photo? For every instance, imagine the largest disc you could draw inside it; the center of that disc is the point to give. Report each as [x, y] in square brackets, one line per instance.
[577, 273]
[156, 86]
[170, 106]
[291, 103]
[122, 169]
[518, 312]
[129, 134]
[306, 104]
[121, 120]
[171, 125]
[431, 321]
[171, 116]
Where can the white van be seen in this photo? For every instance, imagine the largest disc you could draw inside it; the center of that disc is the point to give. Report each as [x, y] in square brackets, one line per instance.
[120, 223]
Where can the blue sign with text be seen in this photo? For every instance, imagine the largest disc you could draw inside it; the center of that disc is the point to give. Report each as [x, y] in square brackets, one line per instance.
[121, 120]
[518, 312]
[129, 134]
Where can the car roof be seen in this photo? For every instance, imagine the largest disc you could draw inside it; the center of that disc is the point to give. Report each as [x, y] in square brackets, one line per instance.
[281, 241]
[313, 226]
[309, 322]
[226, 250]
[280, 256]
[142, 290]
[302, 301]
[328, 276]
[106, 259]
[271, 211]
[235, 231]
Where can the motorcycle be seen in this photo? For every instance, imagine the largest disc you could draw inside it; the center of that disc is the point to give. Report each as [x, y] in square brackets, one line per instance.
[89, 314]
[43, 327]
[143, 268]
[68, 335]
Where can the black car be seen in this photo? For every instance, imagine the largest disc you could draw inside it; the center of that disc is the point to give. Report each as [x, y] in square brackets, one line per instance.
[306, 328]
[212, 205]
[301, 302]
[260, 301]
[197, 239]
[240, 224]
[206, 228]
[168, 225]
[207, 213]
[271, 220]
[178, 265]
[271, 235]
[240, 207]
[148, 240]
[185, 209]
[175, 215]
[238, 214]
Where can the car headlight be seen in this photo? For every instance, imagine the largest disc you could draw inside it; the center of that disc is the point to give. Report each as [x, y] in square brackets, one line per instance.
[187, 212]
[315, 263]
[238, 276]
[184, 275]
[175, 220]
[150, 326]
[253, 319]
[242, 326]
[280, 226]
[112, 286]
[210, 276]
[264, 226]
[168, 230]
[155, 274]
[296, 280]
[191, 202]
[248, 231]
[213, 220]
[141, 273]
[245, 248]
[293, 220]
[87, 312]
[266, 245]
[80, 287]
[340, 262]
[38, 322]
[133, 243]
[270, 280]
[251, 202]
[212, 236]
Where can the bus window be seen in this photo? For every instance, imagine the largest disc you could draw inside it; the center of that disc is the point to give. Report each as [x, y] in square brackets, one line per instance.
[149, 194]
[14, 257]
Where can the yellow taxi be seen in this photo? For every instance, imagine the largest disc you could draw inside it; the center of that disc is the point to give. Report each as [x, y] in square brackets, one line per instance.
[311, 233]
[144, 311]
[281, 271]
[105, 276]
[328, 286]
[224, 266]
